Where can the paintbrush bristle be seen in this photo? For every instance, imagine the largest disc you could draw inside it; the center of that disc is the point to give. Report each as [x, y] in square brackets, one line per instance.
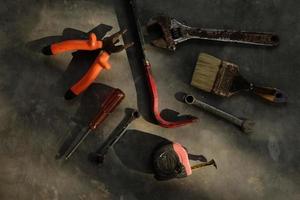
[205, 73]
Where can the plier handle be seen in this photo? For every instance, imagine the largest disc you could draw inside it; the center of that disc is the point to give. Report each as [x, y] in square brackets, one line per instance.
[108, 46]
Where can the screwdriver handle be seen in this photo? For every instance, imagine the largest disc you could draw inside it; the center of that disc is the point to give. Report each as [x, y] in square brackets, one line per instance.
[110, 103]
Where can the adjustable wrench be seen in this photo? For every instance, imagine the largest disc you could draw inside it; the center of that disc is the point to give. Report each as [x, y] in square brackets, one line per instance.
[246, 125]
[174, 32]
[115, 136]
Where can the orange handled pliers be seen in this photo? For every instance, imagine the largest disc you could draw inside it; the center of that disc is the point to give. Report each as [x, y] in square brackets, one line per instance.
[108, 46]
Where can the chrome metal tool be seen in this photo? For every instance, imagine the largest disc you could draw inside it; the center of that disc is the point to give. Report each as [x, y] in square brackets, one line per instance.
[246, 125]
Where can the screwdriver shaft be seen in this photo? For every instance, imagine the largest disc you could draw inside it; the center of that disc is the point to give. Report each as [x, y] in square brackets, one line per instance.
[75, 147]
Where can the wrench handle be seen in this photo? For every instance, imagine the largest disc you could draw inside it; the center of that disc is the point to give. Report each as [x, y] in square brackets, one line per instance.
[116, 135]
[189, 99]
[245, 124]
[244, 37]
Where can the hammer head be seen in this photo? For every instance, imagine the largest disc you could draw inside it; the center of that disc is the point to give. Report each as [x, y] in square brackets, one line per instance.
[167, 28]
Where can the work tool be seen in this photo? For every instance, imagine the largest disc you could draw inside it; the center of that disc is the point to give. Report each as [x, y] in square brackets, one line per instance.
[117, 134]
[150, 79]
[223, 78]
[107, 107]
[246, 125]
[106, 47]
[171, 160]
[173, 32]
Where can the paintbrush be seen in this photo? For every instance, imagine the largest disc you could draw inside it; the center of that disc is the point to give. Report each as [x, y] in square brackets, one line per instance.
[223, 78]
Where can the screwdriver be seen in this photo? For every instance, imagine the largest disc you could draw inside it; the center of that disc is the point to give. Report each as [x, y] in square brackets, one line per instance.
[107, 107]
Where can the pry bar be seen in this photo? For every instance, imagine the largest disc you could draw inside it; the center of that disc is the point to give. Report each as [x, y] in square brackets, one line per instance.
[151, 81]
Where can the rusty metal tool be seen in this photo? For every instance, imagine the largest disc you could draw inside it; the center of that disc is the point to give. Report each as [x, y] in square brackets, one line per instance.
[175, 32]
[117, 134]
[151, 81]
[246, 125]
[107, 107]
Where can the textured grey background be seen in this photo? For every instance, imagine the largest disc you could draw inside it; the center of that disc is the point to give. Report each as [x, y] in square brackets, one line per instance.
[35, 119]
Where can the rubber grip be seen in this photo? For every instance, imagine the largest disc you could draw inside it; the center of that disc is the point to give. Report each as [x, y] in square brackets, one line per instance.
[100, 63]
[72, 45]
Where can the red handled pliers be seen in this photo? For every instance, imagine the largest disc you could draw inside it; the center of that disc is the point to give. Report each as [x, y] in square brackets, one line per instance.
[108, 46]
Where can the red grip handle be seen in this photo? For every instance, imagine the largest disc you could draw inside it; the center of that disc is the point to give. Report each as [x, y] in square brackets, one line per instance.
[100, 63]
[72, 45]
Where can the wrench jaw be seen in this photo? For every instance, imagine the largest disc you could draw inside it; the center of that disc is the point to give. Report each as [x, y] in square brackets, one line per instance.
[189, 99]
[172, 32]
[180, 32]
[162, 25]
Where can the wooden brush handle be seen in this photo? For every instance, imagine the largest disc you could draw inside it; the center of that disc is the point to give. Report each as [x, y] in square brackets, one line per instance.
[270, 94]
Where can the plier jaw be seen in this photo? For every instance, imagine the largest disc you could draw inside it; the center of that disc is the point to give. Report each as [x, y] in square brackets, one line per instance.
[110, 43]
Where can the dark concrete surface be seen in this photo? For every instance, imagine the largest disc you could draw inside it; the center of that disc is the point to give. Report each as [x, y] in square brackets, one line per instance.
[36, 120]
